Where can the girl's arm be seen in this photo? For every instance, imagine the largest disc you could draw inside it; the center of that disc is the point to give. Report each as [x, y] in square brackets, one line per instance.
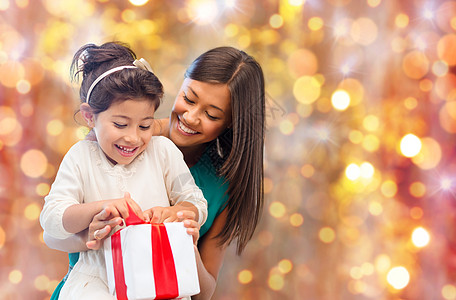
[209, 258]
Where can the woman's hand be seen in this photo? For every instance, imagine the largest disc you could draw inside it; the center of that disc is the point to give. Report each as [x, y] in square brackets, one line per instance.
[192, 229]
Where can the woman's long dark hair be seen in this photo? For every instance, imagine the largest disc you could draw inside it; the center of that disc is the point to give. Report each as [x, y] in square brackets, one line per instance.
[242, 143]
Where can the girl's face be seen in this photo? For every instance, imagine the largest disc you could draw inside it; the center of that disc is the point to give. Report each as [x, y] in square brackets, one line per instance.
[201, 112]
[124, 130]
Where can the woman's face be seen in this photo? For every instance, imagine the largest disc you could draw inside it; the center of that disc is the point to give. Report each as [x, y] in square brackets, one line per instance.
[201, 112]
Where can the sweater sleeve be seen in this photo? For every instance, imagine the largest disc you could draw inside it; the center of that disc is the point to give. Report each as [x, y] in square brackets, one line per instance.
[179, 181]
[65, 191]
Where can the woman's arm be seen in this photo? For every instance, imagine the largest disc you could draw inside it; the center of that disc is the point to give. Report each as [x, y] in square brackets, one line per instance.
[209, 258]
[161, 127]
[75, 243]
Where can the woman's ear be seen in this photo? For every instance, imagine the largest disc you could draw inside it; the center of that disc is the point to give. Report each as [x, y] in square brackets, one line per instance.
[87, 114]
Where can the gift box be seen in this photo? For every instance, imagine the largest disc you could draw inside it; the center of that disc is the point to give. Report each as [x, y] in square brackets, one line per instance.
[151, 261]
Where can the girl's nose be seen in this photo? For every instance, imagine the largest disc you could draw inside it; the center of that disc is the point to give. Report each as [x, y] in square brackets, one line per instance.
[132, 136]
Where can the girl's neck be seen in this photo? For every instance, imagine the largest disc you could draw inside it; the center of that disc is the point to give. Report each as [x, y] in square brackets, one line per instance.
[192, 154]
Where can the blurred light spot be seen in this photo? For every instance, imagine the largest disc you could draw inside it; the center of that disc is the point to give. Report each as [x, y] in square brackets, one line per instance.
[10, 73]
[296, 220]
[371, 122]
[244, 41]
[276, 21]
[415, 64]
[446, 49]
[410, 145]
[440, 68]
[81, 132]
[268, 184]
[230, 3]
[430, 154]
[7, 125]
[382, 263]
[277, 209]
[304, 110]
[41, 282]
[4, 4]
[420, 237]
[449, 292]
[356, 287]
[202, 12]
[276, 282]
[402, 20]
[364, 31]
[340, 100]
[355, 136]
[285, 266]
[33, 163]
[371, 143]
[389, 188]
[315, 23]
[417, 189]
[245, 276]
[15, 276]
[303, 62]
[367, 268]
[128, 15]
[231, 30]
[398, 277]
[374, 3]
[416, 213]
[307, 170]
[327, 235]
[366, 170]
[296, 2]
[426, 85]
[286, 127]
[341, 28]
[410, 103]
[375, 208]
[398, 44]
[446, 184]
[32, 211]
[356, 272]
[306, 89]
[428, 14]
[23, 86]
[54, 127]
[354, 88]
[352, 171]
[138, 2]
[2, 237]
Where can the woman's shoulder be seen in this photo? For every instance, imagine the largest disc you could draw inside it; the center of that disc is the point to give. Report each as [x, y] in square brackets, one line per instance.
[163, 146]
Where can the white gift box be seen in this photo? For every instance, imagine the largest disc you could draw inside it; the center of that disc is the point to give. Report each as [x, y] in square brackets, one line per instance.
[151, 261]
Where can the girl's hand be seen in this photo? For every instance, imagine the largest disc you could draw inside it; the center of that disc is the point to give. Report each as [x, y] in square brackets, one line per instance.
[192, 229]
[119, 207]
[175, 213]
[101, 226]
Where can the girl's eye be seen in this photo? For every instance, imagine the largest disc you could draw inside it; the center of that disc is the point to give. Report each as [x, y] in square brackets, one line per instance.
[119, 125]
[188, 100]
[211, 117]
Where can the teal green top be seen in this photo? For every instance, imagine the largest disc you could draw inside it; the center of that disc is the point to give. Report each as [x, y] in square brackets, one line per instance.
[214, 190]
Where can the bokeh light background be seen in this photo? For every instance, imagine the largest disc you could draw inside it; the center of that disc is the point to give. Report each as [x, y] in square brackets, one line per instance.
[360, 149]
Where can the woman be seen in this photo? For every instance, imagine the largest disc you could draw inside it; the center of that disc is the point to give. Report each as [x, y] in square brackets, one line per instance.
[217, 121]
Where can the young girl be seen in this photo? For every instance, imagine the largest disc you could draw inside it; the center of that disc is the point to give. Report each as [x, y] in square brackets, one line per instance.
[120, 96]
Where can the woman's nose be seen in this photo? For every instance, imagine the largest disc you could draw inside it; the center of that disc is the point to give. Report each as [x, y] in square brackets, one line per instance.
[190, 117]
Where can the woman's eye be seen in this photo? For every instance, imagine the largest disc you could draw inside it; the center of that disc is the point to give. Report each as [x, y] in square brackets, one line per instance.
[188, 100]
[211, 117]
[144, 127]
[119, 125]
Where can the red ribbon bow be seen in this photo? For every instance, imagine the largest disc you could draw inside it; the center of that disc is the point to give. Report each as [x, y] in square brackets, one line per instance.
[162, 261]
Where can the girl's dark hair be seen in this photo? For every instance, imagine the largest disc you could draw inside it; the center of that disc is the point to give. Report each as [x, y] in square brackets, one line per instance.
[242, 143]
[131, 83]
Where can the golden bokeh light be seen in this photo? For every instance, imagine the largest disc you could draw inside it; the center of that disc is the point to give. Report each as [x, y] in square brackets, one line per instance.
[449, 292]
[340, 100]
[446, 49]
[415, 64]
[277, 209]
[410, 145]
[245, 276]
[306, 89]
[417, 189]
[398, 277]
[296, 220]
[15, 276]
[33, 163]
[420, 237]
[327, 235]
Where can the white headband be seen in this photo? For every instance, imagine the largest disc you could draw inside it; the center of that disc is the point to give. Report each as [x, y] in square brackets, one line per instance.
[141, 63]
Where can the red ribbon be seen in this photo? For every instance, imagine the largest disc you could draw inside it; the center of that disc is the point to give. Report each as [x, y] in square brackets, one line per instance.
[162, 261]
